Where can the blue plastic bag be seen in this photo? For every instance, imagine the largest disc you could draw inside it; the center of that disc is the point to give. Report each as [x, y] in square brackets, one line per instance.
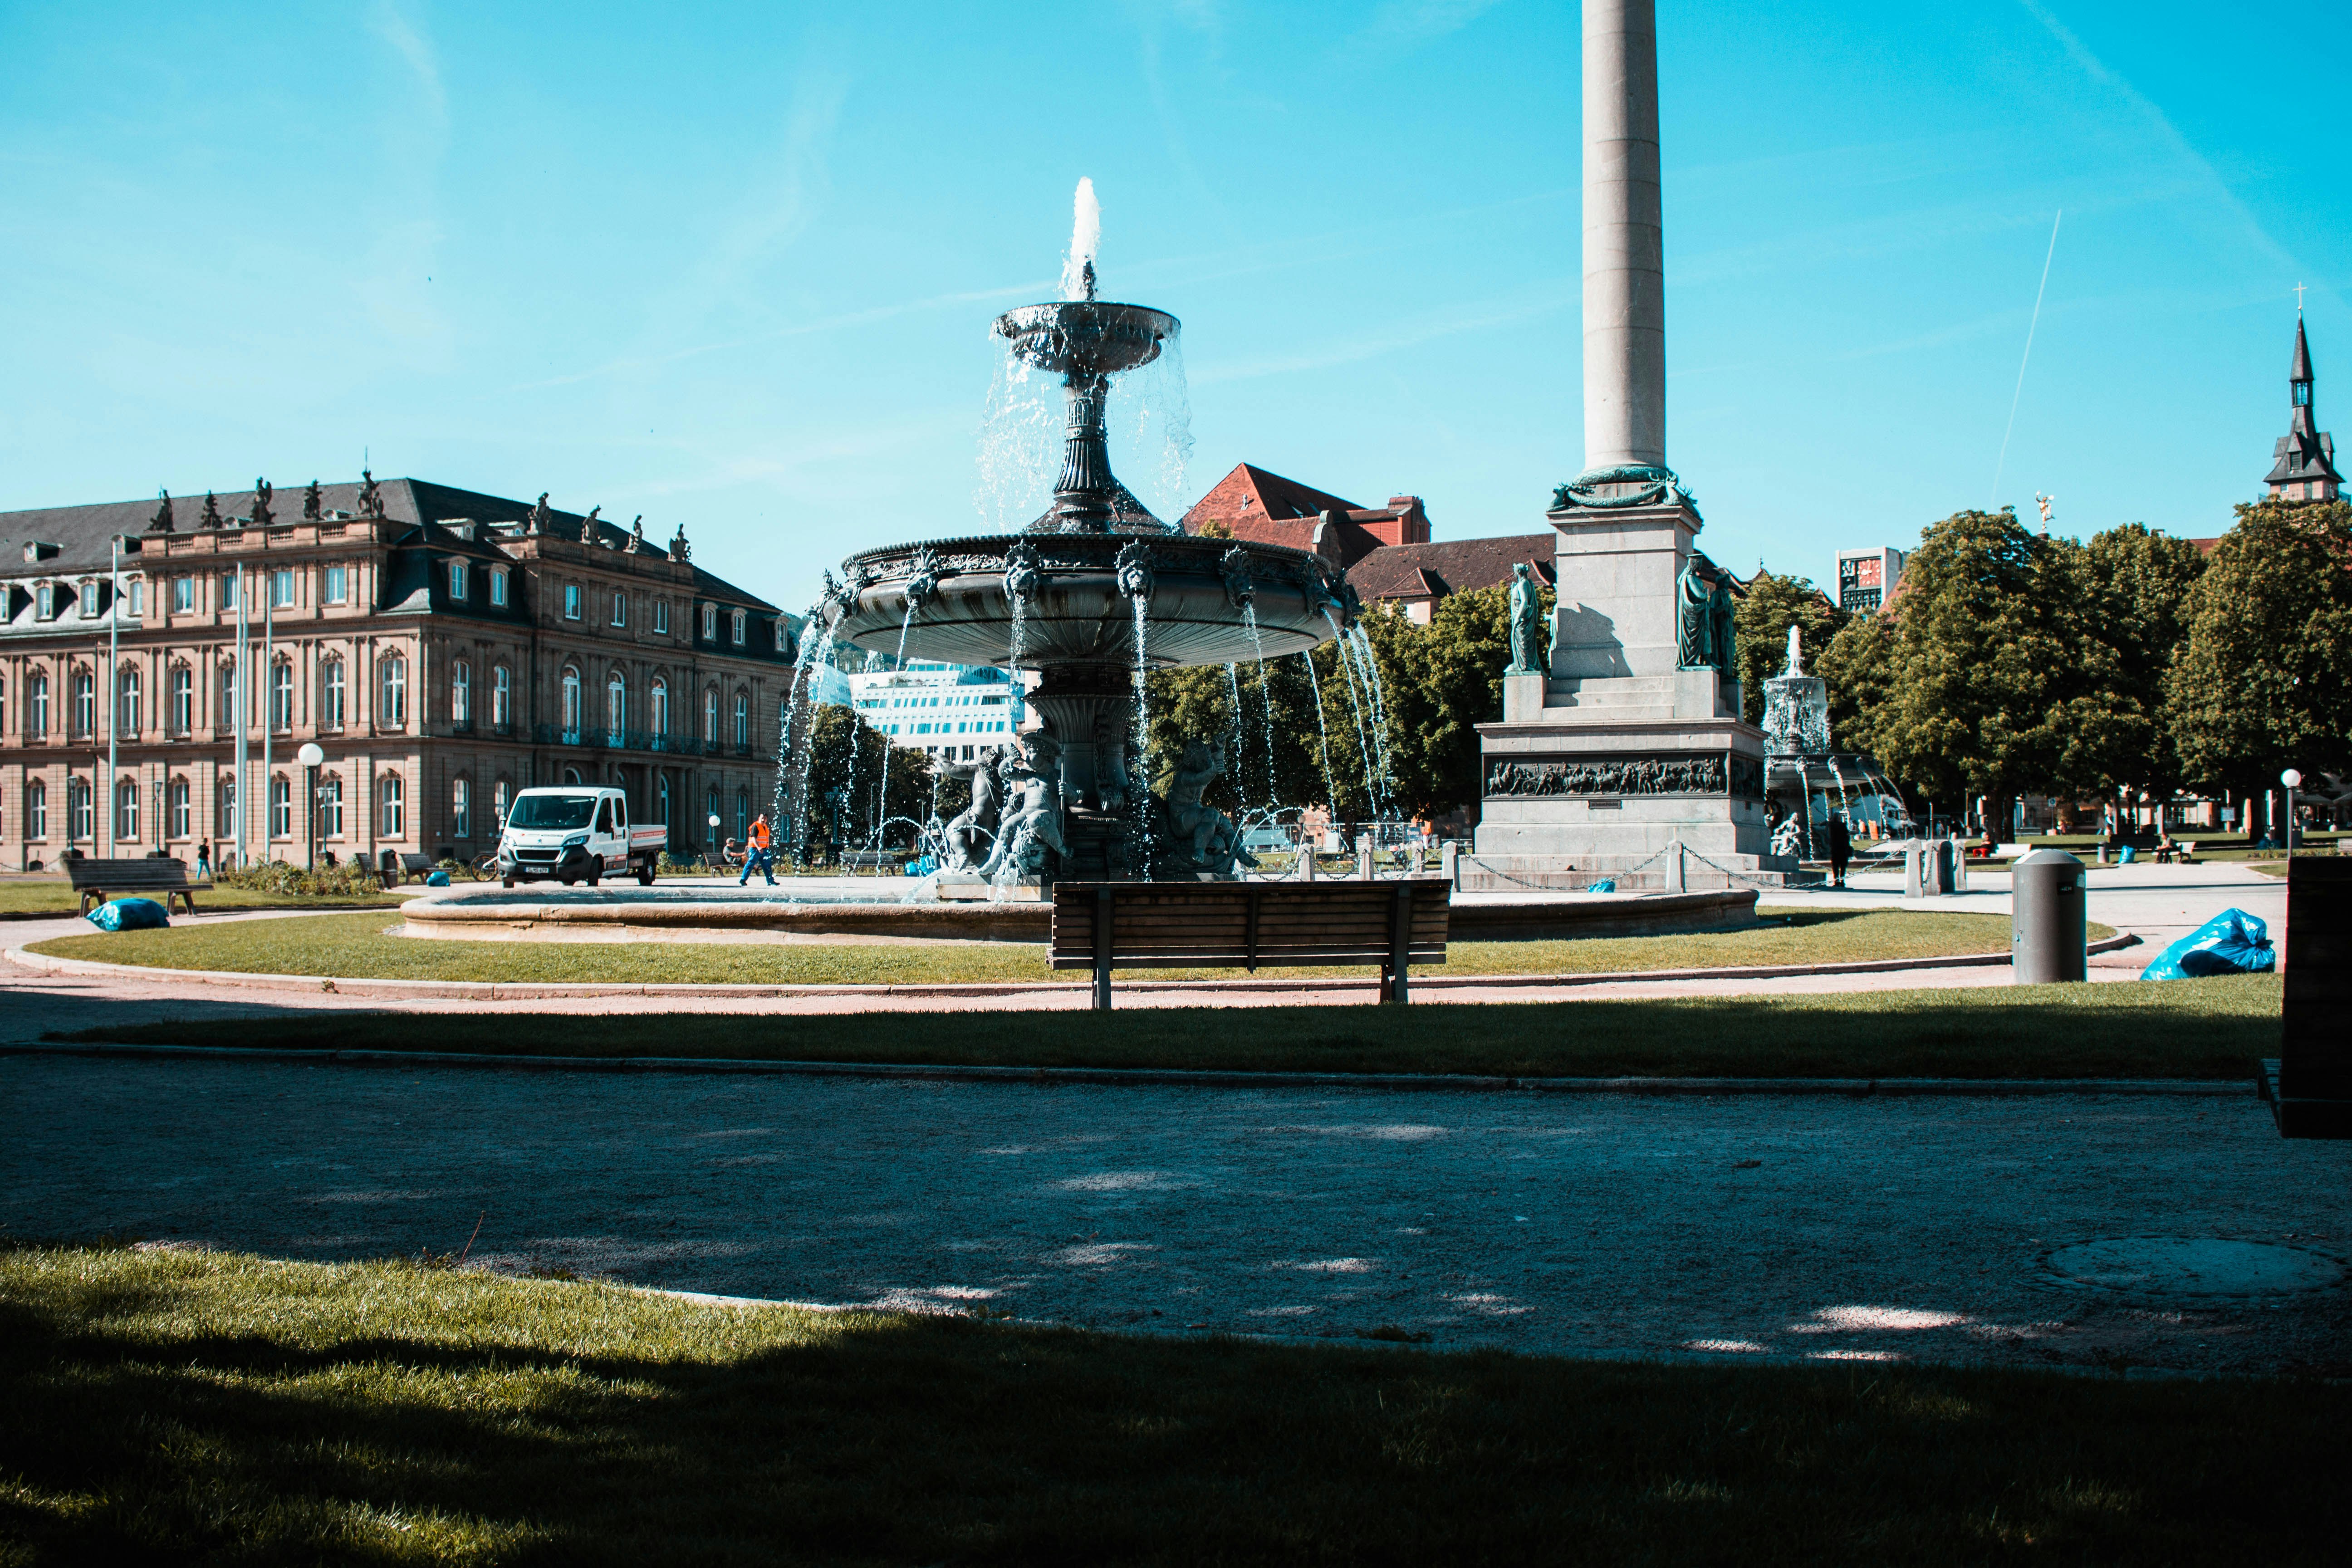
[130, 914]
[2232, 942]
[1606, 885]
[437, 879]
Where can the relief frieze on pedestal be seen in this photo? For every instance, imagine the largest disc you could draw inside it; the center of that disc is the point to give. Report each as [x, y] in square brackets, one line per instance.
[1707, 774]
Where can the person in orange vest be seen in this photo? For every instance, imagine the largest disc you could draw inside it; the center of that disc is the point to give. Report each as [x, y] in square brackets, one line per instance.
[758, 859]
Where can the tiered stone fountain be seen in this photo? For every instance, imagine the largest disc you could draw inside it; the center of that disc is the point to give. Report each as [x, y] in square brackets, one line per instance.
[1805, 782]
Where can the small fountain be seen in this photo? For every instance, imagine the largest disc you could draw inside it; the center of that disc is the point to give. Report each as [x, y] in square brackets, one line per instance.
[1101, 592]
[1805, 782]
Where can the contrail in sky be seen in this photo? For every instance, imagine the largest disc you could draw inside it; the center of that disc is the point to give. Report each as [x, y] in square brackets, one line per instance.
[2022, 360]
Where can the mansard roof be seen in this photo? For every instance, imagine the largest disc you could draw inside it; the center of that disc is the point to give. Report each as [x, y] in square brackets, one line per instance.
[67, 540]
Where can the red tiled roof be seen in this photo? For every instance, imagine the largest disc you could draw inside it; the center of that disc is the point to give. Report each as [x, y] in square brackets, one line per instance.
[1265, 508]
[1429, 572]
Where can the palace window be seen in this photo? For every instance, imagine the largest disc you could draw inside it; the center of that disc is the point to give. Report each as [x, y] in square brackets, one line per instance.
[281, 587]
[394, 713]
[711, 717]
[281, 696]
[461, 809]
[180, 813]
[227, 715]
[331, 807]
[80, 809]
[710, 622]
[126, 809]
[457, 580]
[392, 805]
[660, 707]
[138, 598]
[88, 599]
[36, 810]
[501, 696]
[742, 815]
[742, 722]
[499, 586]
[339, 585]
[36, 721]
[331, 695]
[281, 808]
[183, 700]
[620, 608]
[737, 627]
[661, 616]
[499, 802]
[85, 703]
[571, 705]
[571, 601]
[225, 807]
[183, 595]
[617, 707]
[128, 709]
[461, 692]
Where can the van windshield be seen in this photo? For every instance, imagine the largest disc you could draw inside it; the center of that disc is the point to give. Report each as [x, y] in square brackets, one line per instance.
[552, 811]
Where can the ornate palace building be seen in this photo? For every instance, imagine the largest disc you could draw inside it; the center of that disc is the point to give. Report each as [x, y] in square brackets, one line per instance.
[444, 649]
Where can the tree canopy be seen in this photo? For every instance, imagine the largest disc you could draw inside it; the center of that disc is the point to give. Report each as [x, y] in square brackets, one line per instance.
[1773, 602]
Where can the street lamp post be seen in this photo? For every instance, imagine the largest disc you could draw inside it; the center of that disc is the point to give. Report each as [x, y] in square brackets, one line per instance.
[2290, 778]
[714, 832]
[310, 756]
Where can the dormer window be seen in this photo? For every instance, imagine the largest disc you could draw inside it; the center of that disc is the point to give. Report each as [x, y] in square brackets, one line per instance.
[138, 598]
[458, 581]
[710, 622]
[88, 600]
[740, 619]
[45, 602]
[499, 587]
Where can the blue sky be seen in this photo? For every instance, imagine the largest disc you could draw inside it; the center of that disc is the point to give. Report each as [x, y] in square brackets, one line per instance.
[733, 266]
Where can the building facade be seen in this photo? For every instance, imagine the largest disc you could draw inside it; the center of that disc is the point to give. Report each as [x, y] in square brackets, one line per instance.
[445, 648]
[1866, 578]
[950, 711]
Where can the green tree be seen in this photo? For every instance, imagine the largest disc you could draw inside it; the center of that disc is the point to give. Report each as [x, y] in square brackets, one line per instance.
[2131, 586]
[2263, 680]
[1858, 667]
[847, 756]
[1771, 605]
[1448, 681]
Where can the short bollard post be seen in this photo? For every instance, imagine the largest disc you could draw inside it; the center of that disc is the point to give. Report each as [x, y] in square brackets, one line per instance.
[2047, 923]
[1449, 864]
[1364, 857]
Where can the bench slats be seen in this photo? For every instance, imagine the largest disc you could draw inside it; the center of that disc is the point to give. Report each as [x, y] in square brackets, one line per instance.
[95, 879]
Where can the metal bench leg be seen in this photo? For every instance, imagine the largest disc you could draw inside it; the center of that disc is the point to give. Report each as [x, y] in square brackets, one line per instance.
[1399, 946]
[1102, 934]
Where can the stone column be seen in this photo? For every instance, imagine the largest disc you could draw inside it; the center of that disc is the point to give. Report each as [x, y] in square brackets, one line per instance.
[1625, 280]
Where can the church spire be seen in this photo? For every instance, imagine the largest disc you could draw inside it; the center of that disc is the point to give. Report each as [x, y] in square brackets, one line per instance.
[2304, 461]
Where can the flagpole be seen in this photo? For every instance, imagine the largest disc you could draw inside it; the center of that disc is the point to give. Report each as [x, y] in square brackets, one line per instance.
[241, 699]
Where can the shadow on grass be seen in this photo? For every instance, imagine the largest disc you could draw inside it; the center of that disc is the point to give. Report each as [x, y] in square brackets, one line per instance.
[262, 1412]
[2210, 1028]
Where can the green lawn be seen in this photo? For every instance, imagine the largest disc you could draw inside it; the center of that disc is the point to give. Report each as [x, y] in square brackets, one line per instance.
[2215, 1028]
[179, 1406]
[30, 895]
[357, 947]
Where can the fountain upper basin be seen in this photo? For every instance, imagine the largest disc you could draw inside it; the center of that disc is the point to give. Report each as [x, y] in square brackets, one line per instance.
[1090, 337]
[1077, 612]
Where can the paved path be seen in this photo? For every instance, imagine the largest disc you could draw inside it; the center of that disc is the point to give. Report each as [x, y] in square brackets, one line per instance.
[1791, 1228]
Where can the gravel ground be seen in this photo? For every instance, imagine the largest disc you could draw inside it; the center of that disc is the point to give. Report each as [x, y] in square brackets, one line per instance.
[1775, 1226]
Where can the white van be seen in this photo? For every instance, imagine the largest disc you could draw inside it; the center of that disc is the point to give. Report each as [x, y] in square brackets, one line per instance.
[576, 833]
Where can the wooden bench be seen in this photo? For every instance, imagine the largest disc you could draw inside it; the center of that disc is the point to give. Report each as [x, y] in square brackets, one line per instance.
[395, 865]
[98, 881]
[1104, 926]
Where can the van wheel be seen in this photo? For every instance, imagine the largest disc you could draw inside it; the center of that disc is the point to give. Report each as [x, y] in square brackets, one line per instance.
[644, 876]
[591, 878]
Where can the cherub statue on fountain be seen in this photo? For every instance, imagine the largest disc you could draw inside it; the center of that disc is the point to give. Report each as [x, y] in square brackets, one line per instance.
[977, 822]
[1194, 827]
[1032, 823]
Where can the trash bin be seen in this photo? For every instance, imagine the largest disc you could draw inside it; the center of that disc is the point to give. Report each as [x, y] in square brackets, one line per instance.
[2046, 929]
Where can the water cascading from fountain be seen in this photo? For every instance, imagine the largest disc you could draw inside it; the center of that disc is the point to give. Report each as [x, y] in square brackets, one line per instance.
[790, 809]
[1234, 727]
[1369, 659]
[1356, 707]
[1265, 698]
[1139, 775]
[1322, 733]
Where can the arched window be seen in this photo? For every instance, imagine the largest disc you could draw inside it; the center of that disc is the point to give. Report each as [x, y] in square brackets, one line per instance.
[617, 707]
[37, 705]
[126, 706]
[126, 809]
[710, 719]
[281, 807]
[225, 807]
[660, 707]
[281, 696]
[331, 695]
[392, 807]
[571, 775]
[571, 706]
[661, 798]
[85, 703]
[394, 714]
[461, 693]
[501, 696]
[736, 627]
[37, 809]
[183, 700]
[499, 797]
[181, 816]
[742, 815]
[461, 808]
[331, 807]
[742, 721]
[78, 808]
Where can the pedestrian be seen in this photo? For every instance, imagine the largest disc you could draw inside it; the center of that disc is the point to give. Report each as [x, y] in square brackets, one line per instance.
[205, 861]
[758, 859]
[1841, 841]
